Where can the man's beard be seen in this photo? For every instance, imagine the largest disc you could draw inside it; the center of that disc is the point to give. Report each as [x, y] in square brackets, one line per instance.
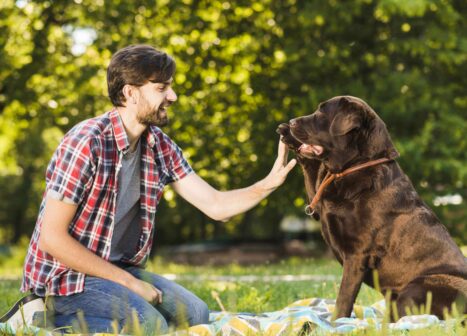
[155, 118]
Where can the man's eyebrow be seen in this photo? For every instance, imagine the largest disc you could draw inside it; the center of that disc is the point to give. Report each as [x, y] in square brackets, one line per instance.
[167, 82]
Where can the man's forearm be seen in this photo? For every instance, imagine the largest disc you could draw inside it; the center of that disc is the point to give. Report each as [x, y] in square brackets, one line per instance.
[234, 202]
[71, 253]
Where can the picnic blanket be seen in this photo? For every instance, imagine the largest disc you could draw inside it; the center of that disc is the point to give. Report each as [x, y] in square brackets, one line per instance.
[302, 316]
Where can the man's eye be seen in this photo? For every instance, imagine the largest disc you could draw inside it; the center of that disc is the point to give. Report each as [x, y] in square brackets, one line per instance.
[163, 88]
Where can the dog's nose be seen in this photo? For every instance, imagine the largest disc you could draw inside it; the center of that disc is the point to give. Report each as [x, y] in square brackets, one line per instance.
[293, 123]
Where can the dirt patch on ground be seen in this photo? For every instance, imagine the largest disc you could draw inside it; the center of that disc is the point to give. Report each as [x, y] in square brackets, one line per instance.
[240, 253]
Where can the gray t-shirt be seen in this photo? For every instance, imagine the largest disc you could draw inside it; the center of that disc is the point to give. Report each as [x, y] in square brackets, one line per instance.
[127, 224]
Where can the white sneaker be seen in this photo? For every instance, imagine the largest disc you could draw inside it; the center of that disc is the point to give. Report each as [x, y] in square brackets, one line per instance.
[22, 312]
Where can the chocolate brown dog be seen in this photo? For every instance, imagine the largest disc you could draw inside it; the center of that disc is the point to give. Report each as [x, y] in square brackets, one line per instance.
[372, 217]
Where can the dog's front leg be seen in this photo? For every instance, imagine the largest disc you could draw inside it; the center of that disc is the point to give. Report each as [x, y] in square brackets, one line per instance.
[352, 279]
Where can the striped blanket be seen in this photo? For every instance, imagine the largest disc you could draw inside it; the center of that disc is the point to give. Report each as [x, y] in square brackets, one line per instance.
[302, 316]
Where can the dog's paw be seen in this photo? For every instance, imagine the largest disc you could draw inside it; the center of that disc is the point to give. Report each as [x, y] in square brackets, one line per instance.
[287, 137]
[283, 129]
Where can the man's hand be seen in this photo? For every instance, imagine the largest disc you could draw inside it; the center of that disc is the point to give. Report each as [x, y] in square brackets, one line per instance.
[280, 169]
[287, 137]
[146, 291]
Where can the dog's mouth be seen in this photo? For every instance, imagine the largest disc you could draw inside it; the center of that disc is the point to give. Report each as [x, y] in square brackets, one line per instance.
[310, 149]
[307, 149]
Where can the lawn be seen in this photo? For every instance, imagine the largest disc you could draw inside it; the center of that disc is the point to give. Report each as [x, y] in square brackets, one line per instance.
[240, 295]
[246, 294]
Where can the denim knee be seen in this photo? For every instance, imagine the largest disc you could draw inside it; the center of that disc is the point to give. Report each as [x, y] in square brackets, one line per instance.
[198, 313]
[153, 323]
[156, 327]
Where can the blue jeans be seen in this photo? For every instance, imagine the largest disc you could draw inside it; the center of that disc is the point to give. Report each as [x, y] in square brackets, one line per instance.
[107, 306]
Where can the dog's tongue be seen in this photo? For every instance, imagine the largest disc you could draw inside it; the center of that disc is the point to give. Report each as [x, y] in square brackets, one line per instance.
[315, 149]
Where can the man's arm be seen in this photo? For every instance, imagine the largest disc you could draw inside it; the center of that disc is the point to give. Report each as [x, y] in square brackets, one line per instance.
[55, 240]
[221, 205]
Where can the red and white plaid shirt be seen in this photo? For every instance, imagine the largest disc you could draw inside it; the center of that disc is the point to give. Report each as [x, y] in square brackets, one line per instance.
[84, 170]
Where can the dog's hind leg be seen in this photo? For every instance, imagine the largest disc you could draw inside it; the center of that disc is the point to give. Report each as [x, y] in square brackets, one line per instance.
[446, 290]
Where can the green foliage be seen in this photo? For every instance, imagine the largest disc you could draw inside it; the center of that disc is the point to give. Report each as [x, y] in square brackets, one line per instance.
[242, 68]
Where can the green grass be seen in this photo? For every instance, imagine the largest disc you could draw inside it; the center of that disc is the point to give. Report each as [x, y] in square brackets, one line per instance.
[9, 293]
[258, 296]
[237, 296]
[261, 296]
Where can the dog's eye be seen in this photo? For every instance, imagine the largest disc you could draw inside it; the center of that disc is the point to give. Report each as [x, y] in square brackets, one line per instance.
[355, 130]
[321, 121]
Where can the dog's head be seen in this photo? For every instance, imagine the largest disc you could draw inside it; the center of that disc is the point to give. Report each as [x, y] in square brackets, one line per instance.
[344, 130]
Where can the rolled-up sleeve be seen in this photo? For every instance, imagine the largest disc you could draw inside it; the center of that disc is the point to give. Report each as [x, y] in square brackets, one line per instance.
[70, 172]
[179, 166]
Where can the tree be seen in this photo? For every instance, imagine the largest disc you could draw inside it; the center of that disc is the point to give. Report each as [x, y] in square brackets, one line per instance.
[242, 68]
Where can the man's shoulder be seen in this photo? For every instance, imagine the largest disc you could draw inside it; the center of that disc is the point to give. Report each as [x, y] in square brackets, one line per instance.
[162, 138]
[90, 129]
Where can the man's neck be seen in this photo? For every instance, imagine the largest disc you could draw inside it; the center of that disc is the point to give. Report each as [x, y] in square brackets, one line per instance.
[132, 127]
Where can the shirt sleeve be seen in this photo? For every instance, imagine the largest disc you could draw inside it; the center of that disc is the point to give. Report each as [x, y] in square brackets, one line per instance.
[59, 197]
[179, 166]
[69, 175]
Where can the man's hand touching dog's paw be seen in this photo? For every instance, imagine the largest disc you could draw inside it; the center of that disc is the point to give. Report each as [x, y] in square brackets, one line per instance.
[287, 137]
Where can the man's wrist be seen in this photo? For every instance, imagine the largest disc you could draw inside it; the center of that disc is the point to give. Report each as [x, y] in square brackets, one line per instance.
[263, 188]
[124, 278]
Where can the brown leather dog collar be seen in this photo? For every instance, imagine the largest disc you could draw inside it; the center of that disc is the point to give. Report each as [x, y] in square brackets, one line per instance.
[310, 208]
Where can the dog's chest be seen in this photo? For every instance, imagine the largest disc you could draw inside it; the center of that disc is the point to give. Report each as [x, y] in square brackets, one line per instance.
[337, 232]
[342, 227]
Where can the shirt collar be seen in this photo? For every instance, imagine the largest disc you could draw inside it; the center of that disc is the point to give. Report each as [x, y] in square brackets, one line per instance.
[150, 137]
[121, 138]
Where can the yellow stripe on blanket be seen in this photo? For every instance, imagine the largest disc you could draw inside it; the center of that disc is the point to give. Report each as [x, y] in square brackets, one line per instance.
[358, 310]
[275, 329]
[242, 327]
[199, 330]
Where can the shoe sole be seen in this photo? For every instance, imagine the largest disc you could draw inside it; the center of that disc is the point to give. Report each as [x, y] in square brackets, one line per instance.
[29, 305]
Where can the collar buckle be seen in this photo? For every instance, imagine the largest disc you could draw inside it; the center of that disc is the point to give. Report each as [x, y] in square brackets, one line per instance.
[309, 210]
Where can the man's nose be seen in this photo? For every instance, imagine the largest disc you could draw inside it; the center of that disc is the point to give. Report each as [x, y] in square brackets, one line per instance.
[171, 95]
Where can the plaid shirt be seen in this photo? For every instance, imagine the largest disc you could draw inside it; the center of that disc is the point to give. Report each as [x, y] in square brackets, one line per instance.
[84, 170]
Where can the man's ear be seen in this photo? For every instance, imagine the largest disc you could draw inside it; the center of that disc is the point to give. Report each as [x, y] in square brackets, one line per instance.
[130, 93]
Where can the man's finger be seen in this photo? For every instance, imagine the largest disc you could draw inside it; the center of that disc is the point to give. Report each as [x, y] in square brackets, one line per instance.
[290, 165]
[159, 295]
[282, 152]
[280, 148]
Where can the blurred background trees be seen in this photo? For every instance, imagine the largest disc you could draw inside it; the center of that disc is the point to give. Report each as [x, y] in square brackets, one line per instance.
[243, 67]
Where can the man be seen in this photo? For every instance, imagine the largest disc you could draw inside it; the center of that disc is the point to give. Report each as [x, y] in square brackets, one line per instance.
[96, 222]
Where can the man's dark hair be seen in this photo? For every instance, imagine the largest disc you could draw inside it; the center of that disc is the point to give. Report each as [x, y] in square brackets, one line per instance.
[136, 65]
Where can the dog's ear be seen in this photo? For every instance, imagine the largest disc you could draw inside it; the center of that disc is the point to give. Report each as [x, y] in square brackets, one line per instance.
[348, 118]
[344, 123]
